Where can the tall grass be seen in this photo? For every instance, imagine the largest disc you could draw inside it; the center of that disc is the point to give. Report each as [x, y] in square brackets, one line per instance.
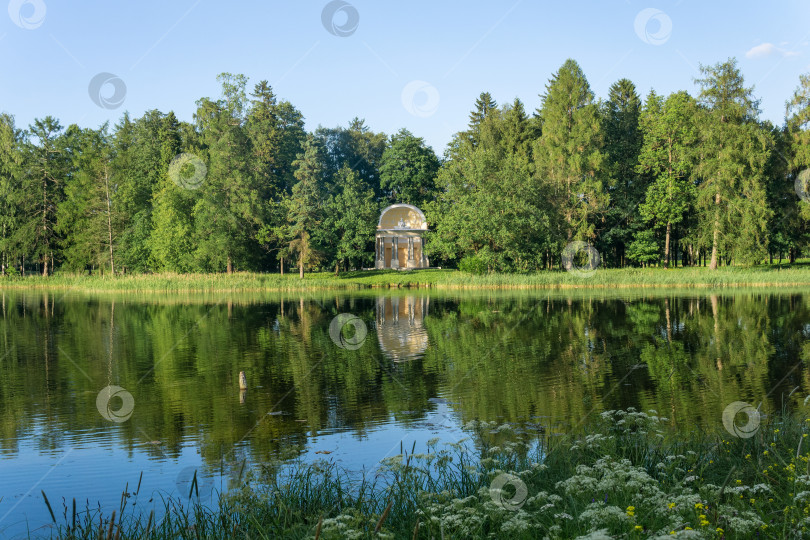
[624, 475]
[432, 278]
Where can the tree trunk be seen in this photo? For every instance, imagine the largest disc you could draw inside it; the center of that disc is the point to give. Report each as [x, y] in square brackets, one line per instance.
[45, 266]
[716, 233]
[666, 245]
[301, 268]
[229, 267]
[282, 266]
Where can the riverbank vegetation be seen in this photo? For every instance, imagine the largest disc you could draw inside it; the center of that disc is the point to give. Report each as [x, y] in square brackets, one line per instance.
[623, 474]
[677, 180]
[658, 278]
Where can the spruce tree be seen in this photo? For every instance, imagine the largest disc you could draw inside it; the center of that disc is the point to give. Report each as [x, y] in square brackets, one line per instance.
[626, 186]
[304, 207]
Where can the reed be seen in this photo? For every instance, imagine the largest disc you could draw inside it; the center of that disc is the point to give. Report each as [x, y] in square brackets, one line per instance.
[755, 276]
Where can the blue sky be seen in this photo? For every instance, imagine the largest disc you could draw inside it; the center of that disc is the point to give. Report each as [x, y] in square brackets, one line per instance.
[417, 64]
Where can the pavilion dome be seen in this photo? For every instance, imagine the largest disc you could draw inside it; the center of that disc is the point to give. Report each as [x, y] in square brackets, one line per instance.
[402, 216]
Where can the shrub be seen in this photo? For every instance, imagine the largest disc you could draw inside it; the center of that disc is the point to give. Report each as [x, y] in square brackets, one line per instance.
[472, 264]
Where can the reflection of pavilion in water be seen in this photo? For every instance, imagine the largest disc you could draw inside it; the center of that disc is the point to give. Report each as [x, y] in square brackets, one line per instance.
[400, 328]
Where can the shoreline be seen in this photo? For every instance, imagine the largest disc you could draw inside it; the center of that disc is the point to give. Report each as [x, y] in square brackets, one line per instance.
[438, 280]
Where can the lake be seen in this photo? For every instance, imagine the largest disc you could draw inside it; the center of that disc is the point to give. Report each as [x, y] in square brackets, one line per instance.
[105, 393]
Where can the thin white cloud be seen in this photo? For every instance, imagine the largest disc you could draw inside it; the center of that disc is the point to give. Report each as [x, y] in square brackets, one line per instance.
[768, 49]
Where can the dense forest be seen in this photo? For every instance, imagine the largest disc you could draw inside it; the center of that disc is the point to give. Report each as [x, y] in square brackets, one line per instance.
[684, 179]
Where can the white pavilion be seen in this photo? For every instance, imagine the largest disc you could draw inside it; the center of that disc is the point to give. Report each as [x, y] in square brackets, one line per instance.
[400, 237]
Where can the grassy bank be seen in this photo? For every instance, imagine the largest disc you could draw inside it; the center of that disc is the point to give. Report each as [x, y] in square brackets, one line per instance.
[624, 476]
[764, 276]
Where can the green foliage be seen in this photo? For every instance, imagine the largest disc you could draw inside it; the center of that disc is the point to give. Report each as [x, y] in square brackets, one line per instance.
[569, 152]
[734, 148]
[489, 206]
[303, 207]
[408, 170]
[11, 171]
[41, 191]
[472, 265]
[644, 249]
[87, 217]
[357, 147]
[625, 186]
[350, 221]
[705, 174]
[668, 156]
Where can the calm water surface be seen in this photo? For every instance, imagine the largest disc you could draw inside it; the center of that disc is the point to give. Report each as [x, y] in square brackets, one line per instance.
[413, 367]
